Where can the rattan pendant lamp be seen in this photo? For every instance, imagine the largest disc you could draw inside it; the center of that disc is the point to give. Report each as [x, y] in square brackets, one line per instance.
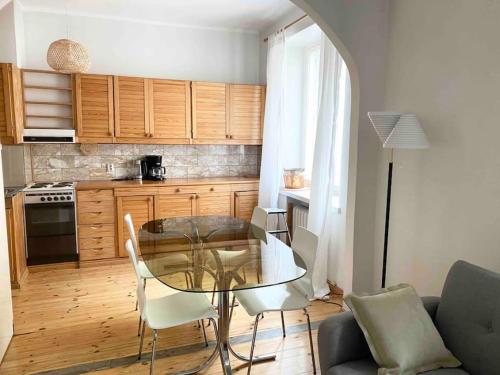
[66, 55]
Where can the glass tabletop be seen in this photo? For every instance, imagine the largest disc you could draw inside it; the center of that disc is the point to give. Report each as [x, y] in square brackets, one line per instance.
[216, 253]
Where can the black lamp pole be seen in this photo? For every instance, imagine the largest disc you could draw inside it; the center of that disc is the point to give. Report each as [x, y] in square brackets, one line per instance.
[387, 215]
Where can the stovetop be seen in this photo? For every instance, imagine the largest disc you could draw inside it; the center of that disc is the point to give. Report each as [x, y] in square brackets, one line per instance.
[49, 186]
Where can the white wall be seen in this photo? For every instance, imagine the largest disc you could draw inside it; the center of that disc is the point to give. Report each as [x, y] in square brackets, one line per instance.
[443, 65]
[359, 30]
[124, 47]
[7, 34]
[6, 315]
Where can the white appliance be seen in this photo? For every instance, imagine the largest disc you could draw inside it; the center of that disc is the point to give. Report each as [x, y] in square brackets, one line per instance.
[49, 136]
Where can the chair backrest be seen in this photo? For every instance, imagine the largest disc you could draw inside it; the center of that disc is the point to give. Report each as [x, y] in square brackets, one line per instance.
[305, 244]
[259, 218]
[131, 230]
[141, 295]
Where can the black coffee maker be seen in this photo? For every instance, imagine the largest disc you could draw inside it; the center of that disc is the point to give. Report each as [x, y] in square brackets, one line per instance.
[151, 168]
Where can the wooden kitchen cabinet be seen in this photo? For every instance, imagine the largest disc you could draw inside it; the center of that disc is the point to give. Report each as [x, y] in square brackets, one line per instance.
[244, 203]
[169, 111]
[218, 204]
[210, 112]
[14, 210]
[94, 108]
[167, 206]
[246, 113]
[131, 107]
[11, 105]
[96, 224]
[141, 207]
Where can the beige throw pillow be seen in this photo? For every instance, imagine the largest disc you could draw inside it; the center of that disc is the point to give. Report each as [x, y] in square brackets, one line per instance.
[400, 332]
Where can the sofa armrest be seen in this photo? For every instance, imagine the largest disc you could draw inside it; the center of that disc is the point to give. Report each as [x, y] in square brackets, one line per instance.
[340, 340]
[431, 304]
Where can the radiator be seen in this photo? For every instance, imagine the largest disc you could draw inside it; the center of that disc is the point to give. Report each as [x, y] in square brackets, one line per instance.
[300, 214]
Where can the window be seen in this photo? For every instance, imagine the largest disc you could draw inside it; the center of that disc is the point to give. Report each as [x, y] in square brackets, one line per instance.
[311, 107]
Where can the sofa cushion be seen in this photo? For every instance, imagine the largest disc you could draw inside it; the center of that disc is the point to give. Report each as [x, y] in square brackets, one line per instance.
[369, 367]
[468, 317]
[399, 331]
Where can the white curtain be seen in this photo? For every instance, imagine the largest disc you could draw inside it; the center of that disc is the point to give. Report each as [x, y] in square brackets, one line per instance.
[272, 159]
[333, 111]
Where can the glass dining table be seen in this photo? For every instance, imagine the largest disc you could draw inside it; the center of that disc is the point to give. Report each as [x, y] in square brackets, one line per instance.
[223, 253]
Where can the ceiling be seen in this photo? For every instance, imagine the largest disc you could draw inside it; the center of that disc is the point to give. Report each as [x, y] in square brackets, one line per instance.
[246, 15]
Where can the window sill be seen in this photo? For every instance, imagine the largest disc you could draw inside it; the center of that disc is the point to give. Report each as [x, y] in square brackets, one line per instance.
[301, 195]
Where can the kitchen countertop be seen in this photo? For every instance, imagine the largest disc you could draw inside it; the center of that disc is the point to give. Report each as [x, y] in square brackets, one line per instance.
[10, 192]
[111, 184]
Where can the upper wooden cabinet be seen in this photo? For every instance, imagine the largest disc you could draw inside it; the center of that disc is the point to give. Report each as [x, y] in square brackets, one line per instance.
[210, 112]
[246, 112]
[11, 105]
[94, 108]
[160, 111]
[169, 110]
[227, 113]
[131, 114]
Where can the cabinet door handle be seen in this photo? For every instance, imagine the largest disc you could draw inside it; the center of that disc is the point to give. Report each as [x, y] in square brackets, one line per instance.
[98, 238]
[231, 137]
[177, 190]
[227, 135]
[96, 227]
[212, 189]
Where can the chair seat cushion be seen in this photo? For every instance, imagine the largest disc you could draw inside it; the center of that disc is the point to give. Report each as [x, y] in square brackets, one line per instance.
[168, 261]
[369, 367]
[176, 309]
[281, 297]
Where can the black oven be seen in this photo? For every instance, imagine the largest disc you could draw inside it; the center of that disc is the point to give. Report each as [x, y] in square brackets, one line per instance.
[50, 229]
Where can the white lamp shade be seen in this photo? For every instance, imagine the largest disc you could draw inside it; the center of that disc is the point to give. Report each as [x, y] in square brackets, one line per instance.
[398, 130]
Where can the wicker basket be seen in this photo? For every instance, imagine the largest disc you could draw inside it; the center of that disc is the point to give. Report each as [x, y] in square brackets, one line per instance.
[67, 56]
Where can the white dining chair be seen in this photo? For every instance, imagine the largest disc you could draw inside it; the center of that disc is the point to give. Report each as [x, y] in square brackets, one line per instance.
[284, 297]
[168, 311]
[260, 217]
[171, 259]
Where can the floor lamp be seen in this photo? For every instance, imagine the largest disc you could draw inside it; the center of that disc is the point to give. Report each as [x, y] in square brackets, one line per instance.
[396, 131]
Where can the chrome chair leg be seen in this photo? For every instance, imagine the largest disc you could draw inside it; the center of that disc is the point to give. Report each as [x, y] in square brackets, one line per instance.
[153, 354]
[204, 333]
[283, 323]
[232, 308]
[142, 340]
[253, 343]
[310, 340]
[139, 329]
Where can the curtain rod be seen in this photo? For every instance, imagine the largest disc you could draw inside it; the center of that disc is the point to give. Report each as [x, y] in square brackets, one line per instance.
[291, 24]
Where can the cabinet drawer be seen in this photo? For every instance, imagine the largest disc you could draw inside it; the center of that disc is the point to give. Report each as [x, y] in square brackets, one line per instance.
[96, 217]
[97, 253]
[95, 195]
[213, 188]
[97, 230]
[90, 243]
[96, 206]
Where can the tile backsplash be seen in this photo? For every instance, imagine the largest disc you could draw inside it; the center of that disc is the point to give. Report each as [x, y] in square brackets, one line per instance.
[76, 162]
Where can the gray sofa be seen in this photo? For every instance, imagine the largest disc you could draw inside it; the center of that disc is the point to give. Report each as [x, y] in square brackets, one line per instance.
[467, 316]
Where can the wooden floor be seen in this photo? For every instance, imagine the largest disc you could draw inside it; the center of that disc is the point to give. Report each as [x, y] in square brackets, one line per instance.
[80, 320]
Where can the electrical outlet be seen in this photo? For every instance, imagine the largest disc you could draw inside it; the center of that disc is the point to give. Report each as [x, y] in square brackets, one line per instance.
[110, 168]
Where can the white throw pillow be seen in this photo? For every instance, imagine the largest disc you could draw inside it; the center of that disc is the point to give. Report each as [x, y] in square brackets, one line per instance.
[402, 336]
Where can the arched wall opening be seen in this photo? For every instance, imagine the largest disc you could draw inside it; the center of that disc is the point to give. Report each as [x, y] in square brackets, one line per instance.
[344, 277]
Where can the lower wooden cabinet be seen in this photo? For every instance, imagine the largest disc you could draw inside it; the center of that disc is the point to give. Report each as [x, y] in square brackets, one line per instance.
[15, 236]
[96, 224]
[244, 203]
[213, 204]
[141, 207]
[179, 205]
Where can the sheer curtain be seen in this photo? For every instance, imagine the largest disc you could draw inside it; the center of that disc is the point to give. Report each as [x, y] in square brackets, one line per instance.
[333, 112]
[272, 159]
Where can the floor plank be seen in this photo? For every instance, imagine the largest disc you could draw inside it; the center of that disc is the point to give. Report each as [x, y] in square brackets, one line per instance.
[70, 317]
